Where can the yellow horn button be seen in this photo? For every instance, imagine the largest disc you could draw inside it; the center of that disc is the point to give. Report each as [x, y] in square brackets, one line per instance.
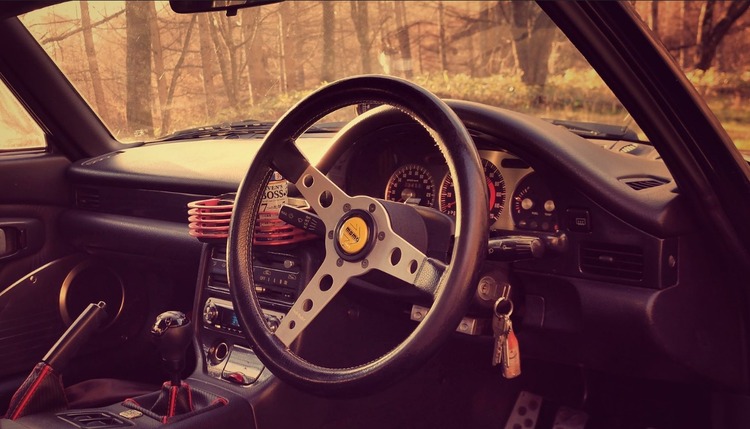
[353, 235]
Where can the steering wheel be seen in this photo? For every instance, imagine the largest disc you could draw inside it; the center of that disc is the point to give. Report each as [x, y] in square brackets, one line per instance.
[362, 234]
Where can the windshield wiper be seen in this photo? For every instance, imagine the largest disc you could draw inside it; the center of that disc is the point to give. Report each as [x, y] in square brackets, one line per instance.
[598, 130]
[247, 127]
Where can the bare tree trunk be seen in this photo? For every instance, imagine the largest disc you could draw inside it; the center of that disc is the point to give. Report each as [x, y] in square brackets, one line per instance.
[283, 82]
[289, 45]
[361, 21]
[711, 34]
[329, 55]
[257, 62]
[225, 66]
[654, 18]
[441, 36]
[176, 75]
[96, 78]
[533, 34]
[138, 70]
[207, 64]
[161, 78]
[404, 43]
[683, 6]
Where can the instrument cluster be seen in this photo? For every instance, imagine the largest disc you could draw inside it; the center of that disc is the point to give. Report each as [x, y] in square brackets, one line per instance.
[518, 198]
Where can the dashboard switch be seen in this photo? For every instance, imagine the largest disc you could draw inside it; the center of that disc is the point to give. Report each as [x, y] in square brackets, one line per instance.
[579, 220]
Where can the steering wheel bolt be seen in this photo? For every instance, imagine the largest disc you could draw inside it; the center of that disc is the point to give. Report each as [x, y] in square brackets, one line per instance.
[365, 263]
[381, 236]
[372, 208]
[339, 262]
[347, 207]
[330, 235]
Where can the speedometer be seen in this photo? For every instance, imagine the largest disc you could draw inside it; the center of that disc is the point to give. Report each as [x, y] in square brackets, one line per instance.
[495, 188]
[411, 184]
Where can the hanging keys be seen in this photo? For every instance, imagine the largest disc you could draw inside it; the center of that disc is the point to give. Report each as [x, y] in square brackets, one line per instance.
[506, 351]
[512, 364]
[500, 324]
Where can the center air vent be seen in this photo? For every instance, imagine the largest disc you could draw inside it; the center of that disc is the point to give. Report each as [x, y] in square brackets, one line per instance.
[88, 198]
[644, 183]
[612, 260]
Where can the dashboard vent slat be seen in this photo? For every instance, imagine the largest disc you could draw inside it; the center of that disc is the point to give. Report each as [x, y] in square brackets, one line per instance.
[612, 260]
[88, 198]
[644, 183]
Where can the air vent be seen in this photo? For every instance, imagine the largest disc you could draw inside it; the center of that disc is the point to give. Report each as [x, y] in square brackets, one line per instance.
[88, 198]
[644, 183]
[612, 260]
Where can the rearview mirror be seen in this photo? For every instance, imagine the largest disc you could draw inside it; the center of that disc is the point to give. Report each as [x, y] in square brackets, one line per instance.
[231, 6]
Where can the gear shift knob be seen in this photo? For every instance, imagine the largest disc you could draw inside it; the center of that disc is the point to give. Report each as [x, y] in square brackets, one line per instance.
[172, 333]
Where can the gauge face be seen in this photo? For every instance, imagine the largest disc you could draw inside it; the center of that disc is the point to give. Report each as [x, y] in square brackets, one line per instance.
[495, 188]
[411, 184]
[533, 207]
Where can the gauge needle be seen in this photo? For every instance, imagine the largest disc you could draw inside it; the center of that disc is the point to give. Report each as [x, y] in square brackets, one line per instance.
[491, 187]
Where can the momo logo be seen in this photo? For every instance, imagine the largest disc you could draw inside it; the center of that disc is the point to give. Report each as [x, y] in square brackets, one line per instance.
[353, 235]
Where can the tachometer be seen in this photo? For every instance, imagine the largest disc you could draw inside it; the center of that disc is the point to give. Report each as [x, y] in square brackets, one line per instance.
[411, 184]
[495, 188]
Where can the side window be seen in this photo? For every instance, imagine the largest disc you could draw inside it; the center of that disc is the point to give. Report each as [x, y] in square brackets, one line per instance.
[18, 130]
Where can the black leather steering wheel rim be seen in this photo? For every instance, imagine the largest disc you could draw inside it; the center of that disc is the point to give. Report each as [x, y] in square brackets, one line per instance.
[453, 289]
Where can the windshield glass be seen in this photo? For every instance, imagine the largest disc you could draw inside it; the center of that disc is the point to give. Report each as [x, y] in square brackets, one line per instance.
[149, 72]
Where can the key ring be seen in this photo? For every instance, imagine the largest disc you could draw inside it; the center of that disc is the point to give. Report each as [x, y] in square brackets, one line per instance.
[503, 301]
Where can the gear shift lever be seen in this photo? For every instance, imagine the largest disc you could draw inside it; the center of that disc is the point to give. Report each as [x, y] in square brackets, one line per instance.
[172, 333]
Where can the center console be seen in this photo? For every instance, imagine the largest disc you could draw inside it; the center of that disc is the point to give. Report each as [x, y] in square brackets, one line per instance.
[279, 273]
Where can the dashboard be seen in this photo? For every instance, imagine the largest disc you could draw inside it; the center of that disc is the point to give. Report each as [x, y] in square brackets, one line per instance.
[630, 241]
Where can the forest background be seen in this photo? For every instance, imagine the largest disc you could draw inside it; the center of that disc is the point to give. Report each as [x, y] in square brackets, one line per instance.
[147, 72]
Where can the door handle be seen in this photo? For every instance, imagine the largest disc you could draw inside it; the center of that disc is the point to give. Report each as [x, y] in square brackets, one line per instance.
[19, 237]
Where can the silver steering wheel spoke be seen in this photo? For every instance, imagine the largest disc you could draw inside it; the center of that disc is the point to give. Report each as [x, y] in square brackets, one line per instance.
[324, 285]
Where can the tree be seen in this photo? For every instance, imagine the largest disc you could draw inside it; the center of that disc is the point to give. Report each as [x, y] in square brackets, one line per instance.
[404, 42]
[711, 34]
[259, 79]
[138, 69]
[533, 33]
[442, 46]
[329, 54]
[96, 79]
[222, 37]
[158, 55]
[207, 63]
[361, 22]
[176, 75]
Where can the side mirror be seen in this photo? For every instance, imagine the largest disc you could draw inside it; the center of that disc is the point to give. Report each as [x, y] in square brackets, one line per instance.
[231, 6]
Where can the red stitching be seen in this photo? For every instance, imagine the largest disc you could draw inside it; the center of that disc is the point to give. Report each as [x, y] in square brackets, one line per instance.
[172, 400]
[46, 369]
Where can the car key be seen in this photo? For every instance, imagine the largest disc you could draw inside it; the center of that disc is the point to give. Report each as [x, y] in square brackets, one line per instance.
[512, 354]
[500, 323]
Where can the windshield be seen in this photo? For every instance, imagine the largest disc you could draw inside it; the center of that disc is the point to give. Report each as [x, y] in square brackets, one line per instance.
[149, 72]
